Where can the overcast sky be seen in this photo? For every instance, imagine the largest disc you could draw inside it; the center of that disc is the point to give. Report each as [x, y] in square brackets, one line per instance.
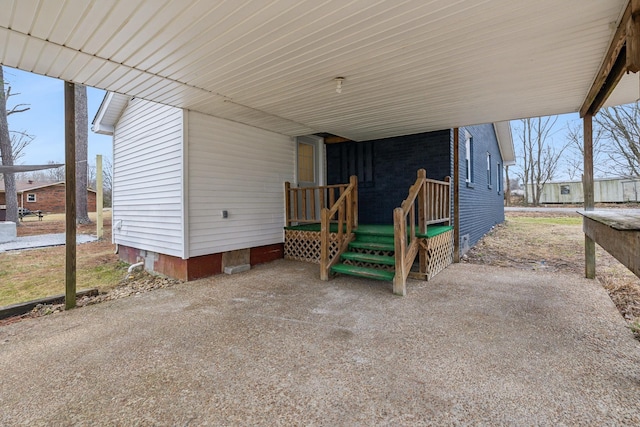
[45, 119]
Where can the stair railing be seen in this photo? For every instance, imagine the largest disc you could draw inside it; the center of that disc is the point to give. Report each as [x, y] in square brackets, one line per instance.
[344, 213]
[304, 204]
[433, 206]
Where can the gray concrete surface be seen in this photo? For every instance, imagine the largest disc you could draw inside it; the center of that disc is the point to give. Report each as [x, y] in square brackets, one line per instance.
[43, 240]
[275, 346]
[7, 231]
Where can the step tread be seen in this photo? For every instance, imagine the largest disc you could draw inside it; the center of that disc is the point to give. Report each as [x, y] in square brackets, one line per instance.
[370, 273]
[372, 245]
[373, 259]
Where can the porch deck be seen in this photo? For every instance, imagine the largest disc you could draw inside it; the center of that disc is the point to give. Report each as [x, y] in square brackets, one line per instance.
[382, 229]
[372, 250]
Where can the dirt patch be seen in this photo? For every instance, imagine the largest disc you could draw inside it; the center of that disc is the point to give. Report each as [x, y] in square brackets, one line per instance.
[555, 242]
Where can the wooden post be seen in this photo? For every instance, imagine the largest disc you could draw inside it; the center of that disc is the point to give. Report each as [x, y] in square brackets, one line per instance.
[70, 194]
[99, 198]
[287, 204]
[353, 180]
[587, 183]
[400, 243]
[456, 195]
[633, 38]
[324, 244]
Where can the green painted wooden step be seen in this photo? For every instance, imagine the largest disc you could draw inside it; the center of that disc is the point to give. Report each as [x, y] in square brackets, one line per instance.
[370, 273]
[373, 259]
[372, 238]
[372, 246]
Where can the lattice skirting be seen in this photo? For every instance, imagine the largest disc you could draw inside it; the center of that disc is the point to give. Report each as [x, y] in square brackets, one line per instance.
[302, 245]
[439, 253]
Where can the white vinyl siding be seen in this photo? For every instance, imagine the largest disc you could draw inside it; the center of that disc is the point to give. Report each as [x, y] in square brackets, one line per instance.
[240, 169]
[147, 183]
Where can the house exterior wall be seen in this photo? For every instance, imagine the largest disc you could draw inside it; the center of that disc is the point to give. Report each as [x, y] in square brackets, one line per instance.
[49, 199]
[148, 178]
[395, 163]
[481, 204]
[239, 169]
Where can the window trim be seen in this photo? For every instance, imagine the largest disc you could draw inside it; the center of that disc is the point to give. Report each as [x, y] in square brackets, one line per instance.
[29, 197]
[468, 156]
[489, 172]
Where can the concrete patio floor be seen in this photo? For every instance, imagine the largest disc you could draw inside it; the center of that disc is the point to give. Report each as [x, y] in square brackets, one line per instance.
[276, 346]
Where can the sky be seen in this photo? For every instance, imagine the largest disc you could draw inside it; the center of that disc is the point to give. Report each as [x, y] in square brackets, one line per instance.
[45, 119]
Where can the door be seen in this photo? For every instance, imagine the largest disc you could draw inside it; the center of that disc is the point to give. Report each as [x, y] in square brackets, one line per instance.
[309, 173]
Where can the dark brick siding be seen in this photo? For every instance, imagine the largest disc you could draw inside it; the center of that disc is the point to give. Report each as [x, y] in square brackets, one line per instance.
[481, 207]
[396, 161]
[395, 164]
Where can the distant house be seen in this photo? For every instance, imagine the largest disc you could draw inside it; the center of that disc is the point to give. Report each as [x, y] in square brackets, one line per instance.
[192, 190]
[605, 190]
[45, 196]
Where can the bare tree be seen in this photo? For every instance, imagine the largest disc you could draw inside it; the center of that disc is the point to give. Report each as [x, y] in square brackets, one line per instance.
[574, 162]
[540, 158]
[6, 150]
[107, 181]
[620, 127]
[82, 136]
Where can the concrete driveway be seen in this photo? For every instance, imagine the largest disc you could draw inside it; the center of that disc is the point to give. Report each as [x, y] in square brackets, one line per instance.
[276, 346]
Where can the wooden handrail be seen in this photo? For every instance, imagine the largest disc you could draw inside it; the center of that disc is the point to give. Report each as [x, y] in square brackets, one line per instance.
[304, 204]
[433, 200]
[346, 208]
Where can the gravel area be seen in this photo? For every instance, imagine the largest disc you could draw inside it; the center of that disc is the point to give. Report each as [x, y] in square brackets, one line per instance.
[477, 345]
[43, 240]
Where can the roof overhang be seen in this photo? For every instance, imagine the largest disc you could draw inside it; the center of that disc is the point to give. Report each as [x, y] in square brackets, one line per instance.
[409, 67]
[111, 108]
[505, 143]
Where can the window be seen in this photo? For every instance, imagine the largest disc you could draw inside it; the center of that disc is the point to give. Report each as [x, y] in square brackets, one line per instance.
[498, 177]
[31, 197]
[565, 189]
[306, 171]
[468, 156]
[489, 170]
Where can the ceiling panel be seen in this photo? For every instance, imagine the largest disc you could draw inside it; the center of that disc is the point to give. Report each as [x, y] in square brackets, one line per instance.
[410, 65]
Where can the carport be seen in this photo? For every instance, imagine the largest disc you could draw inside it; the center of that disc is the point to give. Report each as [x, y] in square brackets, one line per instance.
[403, 68]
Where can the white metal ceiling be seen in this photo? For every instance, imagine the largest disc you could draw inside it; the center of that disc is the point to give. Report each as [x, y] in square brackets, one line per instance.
[410, 66]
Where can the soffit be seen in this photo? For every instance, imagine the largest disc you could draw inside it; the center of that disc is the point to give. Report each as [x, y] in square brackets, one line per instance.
[410, 66]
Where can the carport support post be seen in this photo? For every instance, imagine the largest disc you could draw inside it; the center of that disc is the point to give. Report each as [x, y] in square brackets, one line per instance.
[456, 195]
[587, 182]
[70, 193]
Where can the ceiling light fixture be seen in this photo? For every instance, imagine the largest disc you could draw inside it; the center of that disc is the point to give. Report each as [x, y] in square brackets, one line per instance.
[339, 81]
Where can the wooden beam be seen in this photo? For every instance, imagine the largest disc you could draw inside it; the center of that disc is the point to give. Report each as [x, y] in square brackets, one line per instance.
[70, 193]
[587, 187]
[605, 71]
[633, 37]
[621, 242]
[335, 140]
[456, 195]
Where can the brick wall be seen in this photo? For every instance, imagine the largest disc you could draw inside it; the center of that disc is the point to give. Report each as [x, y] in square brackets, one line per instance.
[481, 205]
[395, 164]
[51, 199]
[396, 161]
